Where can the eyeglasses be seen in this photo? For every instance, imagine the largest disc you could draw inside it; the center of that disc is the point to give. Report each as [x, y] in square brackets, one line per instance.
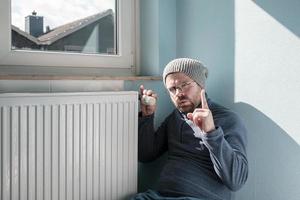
[181, 88]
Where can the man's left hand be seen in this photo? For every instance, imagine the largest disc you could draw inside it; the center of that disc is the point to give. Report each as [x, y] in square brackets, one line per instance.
[202, 117]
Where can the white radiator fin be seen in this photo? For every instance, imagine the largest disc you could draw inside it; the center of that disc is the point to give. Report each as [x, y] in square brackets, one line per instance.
[68, 146]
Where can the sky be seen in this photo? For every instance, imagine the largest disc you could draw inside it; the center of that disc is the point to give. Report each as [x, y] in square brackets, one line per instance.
[57, 12]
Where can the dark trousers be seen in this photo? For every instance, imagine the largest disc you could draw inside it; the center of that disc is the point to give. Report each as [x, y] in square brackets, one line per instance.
[153, 195]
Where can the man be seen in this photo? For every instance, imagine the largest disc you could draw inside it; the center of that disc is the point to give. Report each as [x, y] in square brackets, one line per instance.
[206, 142]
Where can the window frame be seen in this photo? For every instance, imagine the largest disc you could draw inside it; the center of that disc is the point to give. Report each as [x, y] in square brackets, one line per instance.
[125, 60]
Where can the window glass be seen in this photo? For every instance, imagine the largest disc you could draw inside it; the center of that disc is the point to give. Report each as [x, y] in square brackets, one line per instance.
[78, 26]
[99, 35]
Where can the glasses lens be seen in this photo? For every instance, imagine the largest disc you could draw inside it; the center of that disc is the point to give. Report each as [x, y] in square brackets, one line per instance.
[181, 88]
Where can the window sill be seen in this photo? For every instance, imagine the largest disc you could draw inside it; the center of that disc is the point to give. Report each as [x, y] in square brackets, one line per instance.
[77, 77]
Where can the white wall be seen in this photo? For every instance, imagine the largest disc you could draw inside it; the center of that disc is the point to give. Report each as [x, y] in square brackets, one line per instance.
[267, 66]
[267, 89]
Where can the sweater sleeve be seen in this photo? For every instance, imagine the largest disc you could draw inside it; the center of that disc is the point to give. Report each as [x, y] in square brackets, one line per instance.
[151, 143]
[227, 147]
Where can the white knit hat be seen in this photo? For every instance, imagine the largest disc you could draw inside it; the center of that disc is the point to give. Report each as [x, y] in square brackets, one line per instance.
[190, 67]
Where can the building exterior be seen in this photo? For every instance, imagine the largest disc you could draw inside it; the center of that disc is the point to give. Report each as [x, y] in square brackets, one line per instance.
[93, 34]
[34, 24]
[23, 40]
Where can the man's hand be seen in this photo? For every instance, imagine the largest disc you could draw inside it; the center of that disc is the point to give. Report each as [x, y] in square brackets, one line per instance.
[202, 117]
[147, 109]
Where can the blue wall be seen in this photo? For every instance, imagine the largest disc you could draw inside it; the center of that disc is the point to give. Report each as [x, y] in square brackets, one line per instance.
[205, 31]
[190, 28]
[158, 35]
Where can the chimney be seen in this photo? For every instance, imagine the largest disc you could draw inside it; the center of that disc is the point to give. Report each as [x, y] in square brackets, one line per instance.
[48, 29]
[34, 24]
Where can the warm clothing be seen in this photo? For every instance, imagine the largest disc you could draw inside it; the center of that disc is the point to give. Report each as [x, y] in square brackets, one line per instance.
[154, 195]
[209, 167]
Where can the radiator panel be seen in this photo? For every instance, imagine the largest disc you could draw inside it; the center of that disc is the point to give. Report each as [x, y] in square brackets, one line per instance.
[68, 146]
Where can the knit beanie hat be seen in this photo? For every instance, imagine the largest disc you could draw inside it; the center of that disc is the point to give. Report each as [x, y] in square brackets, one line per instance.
[190, 67]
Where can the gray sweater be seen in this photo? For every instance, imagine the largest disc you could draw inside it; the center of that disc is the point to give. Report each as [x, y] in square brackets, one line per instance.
[209, 167]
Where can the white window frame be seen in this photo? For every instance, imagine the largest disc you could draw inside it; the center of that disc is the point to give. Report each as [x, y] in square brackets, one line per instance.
[126, 41]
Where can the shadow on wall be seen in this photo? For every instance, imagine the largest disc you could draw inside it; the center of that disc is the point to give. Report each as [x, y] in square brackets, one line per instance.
[286, 12]
[273, 156]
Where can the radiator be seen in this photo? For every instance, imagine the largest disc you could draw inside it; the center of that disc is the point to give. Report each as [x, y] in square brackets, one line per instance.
[68, 146]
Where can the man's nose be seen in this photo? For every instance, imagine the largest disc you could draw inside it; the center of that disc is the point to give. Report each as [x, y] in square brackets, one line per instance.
[178, 92]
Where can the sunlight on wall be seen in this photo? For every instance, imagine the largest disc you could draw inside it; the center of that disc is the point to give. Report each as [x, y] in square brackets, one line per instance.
[267, 66]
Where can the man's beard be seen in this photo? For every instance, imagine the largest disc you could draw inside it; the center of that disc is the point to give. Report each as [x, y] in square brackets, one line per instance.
[185, 105]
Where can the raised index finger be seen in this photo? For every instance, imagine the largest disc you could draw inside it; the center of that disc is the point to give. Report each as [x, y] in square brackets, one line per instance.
[204, 104]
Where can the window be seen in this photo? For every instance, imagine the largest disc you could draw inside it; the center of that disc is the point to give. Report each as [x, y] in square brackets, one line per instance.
[98, 37]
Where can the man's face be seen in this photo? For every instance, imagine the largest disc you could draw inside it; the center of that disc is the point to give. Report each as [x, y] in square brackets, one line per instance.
[184, 92]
